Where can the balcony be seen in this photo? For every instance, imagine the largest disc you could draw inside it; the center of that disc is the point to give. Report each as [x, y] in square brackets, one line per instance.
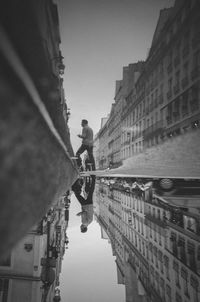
[158, 221]
[169, 94]
[155, 129]
[176, 88]
[185, 82]
[195, 73]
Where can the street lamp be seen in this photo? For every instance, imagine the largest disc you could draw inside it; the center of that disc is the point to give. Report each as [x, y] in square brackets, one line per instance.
[60, 65]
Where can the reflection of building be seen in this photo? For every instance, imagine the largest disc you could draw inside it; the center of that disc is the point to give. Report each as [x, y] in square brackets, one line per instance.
[156, 242]
[31, 271]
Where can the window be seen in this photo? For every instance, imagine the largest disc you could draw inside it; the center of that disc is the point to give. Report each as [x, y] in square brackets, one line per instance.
[166, 264]
[184, 275]
[168, 293]
[176, 272]
[178, 298]
[195, 284]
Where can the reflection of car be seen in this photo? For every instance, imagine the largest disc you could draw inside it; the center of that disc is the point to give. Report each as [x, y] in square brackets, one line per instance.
[177, 186]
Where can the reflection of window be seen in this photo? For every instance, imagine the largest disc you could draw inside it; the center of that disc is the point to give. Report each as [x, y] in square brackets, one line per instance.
[161, 261]
[168, 294]
[195, 284]
[176, 273]
[184, 275]
[191, 255]
[162, 288]
[185, 104]
[166, 263]
[178, 298]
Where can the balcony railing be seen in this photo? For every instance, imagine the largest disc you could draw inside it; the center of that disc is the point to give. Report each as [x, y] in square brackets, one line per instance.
[158, 221]
[153, 130]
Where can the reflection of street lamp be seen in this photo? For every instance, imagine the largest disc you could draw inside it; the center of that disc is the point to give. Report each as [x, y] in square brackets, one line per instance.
[48, 274]
[57, 297]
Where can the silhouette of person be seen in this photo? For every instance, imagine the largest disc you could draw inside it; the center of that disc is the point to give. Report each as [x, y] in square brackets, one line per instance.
[86, 200]
[87, 144]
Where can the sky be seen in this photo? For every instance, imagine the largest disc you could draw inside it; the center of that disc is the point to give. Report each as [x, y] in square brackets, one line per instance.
[98, 38]
[89, 271]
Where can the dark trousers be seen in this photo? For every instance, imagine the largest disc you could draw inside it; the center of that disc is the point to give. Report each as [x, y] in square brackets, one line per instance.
[89, 150]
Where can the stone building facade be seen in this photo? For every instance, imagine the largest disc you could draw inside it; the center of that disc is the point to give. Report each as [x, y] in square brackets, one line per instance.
[163, 100]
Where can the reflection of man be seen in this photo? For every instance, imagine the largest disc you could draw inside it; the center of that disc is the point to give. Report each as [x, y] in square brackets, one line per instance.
[86, 201]
[87, 143]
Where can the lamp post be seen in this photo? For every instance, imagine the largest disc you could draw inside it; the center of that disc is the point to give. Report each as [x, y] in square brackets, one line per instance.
[60, 65]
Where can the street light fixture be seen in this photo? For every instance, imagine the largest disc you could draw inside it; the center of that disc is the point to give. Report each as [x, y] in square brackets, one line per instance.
[60, 65]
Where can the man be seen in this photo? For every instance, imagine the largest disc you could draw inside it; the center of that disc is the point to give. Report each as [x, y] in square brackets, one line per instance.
[86, 201]
[87, 143]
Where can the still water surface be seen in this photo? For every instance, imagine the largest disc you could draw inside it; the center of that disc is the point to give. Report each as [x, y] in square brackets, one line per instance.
[142, 245]
[89, 270]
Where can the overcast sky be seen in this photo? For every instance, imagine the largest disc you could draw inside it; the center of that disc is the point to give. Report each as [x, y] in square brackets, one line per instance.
[98, 38]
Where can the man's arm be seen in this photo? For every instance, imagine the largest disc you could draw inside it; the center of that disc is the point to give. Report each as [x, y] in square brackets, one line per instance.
[84, 134]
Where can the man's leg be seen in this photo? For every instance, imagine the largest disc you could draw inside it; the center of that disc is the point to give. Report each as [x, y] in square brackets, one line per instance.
[78, 153]
[91, 157]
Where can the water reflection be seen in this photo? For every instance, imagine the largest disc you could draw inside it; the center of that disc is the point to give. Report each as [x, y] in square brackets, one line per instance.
[154, 230]
[31, 272]
[83, 189]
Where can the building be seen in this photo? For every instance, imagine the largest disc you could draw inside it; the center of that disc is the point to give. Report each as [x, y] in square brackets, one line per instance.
[154, 238]
[171, 77]
[103, 144]
[159, 98]
[31, 271]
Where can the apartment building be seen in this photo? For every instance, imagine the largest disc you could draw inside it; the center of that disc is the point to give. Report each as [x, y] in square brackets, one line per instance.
[31, 271]
[102, 138]
[132, 113]
[171, 74]
[156, 239]
[163, 100]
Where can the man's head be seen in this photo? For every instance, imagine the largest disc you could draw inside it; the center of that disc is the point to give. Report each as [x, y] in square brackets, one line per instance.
[84, 123]
[83, 228]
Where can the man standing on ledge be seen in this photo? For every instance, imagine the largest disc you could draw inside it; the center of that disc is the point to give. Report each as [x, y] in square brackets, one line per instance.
[87, 144]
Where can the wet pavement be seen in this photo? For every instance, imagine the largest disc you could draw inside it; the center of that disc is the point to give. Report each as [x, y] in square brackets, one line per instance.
[141, 244]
